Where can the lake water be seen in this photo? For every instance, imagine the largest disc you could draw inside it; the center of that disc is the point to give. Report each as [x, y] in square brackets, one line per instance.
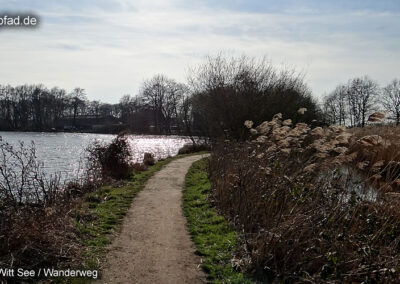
[62, 152]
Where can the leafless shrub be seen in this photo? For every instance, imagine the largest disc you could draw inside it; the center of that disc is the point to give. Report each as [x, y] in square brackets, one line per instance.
[227, 91]
[148, 159]
[113, 160]
[22, 179]
[36, 223]
[192, 148]
[139, 167]
[35, 227]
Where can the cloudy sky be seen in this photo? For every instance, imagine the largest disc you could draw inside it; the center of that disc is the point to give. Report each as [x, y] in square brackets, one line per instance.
[109, 47]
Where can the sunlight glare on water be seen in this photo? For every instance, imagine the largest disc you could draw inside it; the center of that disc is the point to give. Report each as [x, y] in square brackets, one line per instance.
[62, 152]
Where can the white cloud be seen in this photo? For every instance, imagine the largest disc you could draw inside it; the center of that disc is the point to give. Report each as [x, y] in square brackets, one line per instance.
[110, 51]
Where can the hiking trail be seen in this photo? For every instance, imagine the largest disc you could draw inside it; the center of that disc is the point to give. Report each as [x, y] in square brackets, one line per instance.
[154, 245]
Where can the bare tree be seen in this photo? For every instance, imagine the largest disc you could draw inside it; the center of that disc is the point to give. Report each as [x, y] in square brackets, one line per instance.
[77, 101]
[362, 93]
[93, 108]
[173, 101]
[390, 99]
[61, 103]
[335, 106]
[186, 116]
[163, 96]
[330, 109]
[106, 110]
[153, 94]
[127, 106]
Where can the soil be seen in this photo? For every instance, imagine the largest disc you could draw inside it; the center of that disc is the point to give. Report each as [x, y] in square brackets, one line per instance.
[154, 245]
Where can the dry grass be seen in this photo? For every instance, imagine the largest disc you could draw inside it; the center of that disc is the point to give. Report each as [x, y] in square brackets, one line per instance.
[37, 219]
[307, 209]
[379, 156]
[38, 237]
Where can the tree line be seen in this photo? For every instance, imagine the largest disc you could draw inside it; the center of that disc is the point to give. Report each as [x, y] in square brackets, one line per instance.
[38, 108]
[350, 104]
[219, 95]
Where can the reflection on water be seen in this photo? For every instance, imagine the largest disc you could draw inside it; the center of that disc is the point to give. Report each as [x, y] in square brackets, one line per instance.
[352, 183]
[62, 152]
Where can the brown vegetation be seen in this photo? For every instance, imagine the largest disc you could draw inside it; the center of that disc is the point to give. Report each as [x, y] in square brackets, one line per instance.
[35, 217]
[113, 160]
[148, 159]
[307, 208]
[193, 148]
[378, 155]
[36, 211]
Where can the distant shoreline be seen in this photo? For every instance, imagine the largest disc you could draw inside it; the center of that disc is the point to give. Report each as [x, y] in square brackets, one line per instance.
[95, 132]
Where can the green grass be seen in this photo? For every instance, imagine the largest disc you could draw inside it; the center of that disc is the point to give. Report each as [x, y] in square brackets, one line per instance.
[101, 214]
[215, 240]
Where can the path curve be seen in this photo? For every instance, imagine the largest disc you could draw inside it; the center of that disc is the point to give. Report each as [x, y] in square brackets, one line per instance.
[154, 245]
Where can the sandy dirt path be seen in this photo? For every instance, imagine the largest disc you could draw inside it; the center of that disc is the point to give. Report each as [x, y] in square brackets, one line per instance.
[154, 245]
